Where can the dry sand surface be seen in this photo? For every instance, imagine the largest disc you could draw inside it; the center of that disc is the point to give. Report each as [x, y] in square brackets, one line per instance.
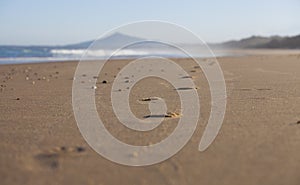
[259, 142]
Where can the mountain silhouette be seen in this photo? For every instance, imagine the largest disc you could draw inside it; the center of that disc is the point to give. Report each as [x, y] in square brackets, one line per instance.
[113, 41]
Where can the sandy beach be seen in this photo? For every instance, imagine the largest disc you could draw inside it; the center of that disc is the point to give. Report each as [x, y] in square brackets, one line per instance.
[258, 143]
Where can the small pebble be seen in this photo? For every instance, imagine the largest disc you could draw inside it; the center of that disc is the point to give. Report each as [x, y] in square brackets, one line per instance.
[33, 82]
[94, 87]
[172, 115]
[135, 154]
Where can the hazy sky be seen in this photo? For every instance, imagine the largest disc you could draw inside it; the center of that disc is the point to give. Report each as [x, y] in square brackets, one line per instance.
[60, 22]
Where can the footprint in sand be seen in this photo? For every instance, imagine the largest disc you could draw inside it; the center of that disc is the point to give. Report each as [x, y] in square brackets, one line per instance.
[167, 115]
[148, 99]
[263, 89]
[48, 159]
[185, 88]
[244, 89]
[51, 158]
[258, 89]
[192, 77]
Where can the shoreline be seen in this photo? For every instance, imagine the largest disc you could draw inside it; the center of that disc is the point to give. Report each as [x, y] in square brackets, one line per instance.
[217, 52]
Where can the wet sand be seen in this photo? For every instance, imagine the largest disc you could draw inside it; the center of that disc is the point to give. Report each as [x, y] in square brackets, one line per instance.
[259, 142]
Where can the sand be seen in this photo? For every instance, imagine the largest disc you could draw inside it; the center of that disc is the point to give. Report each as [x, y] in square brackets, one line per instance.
[259, 141]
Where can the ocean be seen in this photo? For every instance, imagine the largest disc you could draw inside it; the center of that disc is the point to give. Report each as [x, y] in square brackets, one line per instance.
[38, 54]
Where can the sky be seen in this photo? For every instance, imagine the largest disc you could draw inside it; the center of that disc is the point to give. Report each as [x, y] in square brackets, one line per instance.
[57, 22]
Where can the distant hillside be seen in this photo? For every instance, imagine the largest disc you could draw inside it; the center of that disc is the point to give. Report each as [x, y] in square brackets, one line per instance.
[115, 40]
[264, 42]
[285, 43]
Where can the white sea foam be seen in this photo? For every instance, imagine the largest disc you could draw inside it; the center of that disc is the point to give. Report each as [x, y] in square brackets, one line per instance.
[67, 51]
[97, 53]
[76, 54]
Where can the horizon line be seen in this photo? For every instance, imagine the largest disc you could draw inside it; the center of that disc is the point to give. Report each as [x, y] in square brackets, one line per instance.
[89, 40]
